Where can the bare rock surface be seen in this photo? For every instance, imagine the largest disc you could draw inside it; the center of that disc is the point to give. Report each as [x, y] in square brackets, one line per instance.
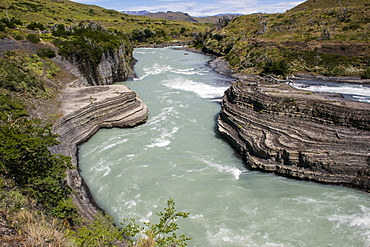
[85, 110]
[298, 134]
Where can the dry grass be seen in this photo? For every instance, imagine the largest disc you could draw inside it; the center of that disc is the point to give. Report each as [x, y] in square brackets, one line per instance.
[22, 224]
[147, 241]
[39, 230]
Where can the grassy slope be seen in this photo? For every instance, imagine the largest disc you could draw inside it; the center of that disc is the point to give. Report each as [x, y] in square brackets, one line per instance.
[322, 4]
[23, 218]
[333, 31]
[51, 12]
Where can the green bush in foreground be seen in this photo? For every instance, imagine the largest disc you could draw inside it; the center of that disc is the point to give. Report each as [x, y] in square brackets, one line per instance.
[102, 232]
[162, 233]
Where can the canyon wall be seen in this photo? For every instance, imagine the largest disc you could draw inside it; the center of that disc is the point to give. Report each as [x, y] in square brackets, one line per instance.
[298, 134]
[85, 110]
[115, 65]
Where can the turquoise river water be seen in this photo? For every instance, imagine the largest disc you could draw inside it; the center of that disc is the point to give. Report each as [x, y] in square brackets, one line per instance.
[177, 154]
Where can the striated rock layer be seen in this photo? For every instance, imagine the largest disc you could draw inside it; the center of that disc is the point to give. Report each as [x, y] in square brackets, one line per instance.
[114, 65]
[298, 134]
[85, 110]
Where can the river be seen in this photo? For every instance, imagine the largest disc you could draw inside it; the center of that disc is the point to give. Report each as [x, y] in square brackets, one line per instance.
[178, 154]
[354, 92]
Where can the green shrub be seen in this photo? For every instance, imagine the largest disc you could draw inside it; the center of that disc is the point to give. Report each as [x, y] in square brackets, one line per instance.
[46, 52]
[2, 27]
[366, 74]
[24, 148]
[18, 37]
[277, 67]
[35, 26]
[25, 157]
[100, 232]
[162, 232]
[12, 22]
[34, 38]
[16, 75]
[65, 209]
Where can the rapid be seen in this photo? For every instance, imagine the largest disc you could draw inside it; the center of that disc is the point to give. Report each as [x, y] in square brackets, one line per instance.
[178, 154]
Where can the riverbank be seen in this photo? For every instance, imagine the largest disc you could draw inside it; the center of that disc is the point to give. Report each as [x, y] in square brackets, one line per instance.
[274, 127]
[84, 111]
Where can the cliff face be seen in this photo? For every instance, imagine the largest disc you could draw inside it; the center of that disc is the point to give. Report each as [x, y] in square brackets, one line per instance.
[298, 134]
[114, 66]
[85, 111]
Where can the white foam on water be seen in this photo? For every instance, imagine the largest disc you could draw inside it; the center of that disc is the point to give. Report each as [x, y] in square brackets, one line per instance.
[102, 167]
[201, 89]
[129, 204]
[164, 139]
[225, 169]
[359, 220]
[190, 71]
[196, 216]
[114, 144]
[159, 143]
[227, 237]
[359, 92]
[161, 116]
[156, 69]
[362, 98]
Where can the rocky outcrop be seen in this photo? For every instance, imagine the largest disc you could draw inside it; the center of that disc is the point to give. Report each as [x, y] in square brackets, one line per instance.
[298, 134]
[85, 111]
[115, 65]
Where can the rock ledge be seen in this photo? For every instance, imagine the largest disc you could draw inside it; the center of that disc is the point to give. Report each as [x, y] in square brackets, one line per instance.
[85, 110]
[298, 134]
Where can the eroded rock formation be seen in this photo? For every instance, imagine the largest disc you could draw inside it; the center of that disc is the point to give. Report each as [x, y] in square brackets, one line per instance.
[298, 134]
[85, 110]
[114, 65]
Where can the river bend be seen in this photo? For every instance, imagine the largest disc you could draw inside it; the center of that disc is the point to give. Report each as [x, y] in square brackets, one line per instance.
[177, 154]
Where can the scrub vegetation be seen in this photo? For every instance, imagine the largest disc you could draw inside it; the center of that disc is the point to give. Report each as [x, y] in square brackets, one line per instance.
[317, 37]
[35, 207]
[43, 16]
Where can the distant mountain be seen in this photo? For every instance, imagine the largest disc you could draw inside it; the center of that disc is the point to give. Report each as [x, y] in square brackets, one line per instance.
[216, 18]
[173, 16]
[227, 14]
[180, 16]
[143, 12]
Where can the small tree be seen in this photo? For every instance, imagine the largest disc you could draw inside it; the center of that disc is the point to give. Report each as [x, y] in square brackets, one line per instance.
[33, 38]
[277, 67]
[163, 232]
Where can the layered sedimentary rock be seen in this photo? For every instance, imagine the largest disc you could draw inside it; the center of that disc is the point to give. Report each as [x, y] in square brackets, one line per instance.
[114, 65]
[298, 134]
[85, 110]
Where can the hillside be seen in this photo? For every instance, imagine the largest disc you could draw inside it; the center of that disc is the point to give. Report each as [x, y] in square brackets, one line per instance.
[169, 15]
[324, 4]
[50, 13]
[327, 41]
[47, 45]
[179, 16]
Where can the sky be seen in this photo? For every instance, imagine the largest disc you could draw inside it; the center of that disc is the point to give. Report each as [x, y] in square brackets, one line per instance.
[198, 8]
